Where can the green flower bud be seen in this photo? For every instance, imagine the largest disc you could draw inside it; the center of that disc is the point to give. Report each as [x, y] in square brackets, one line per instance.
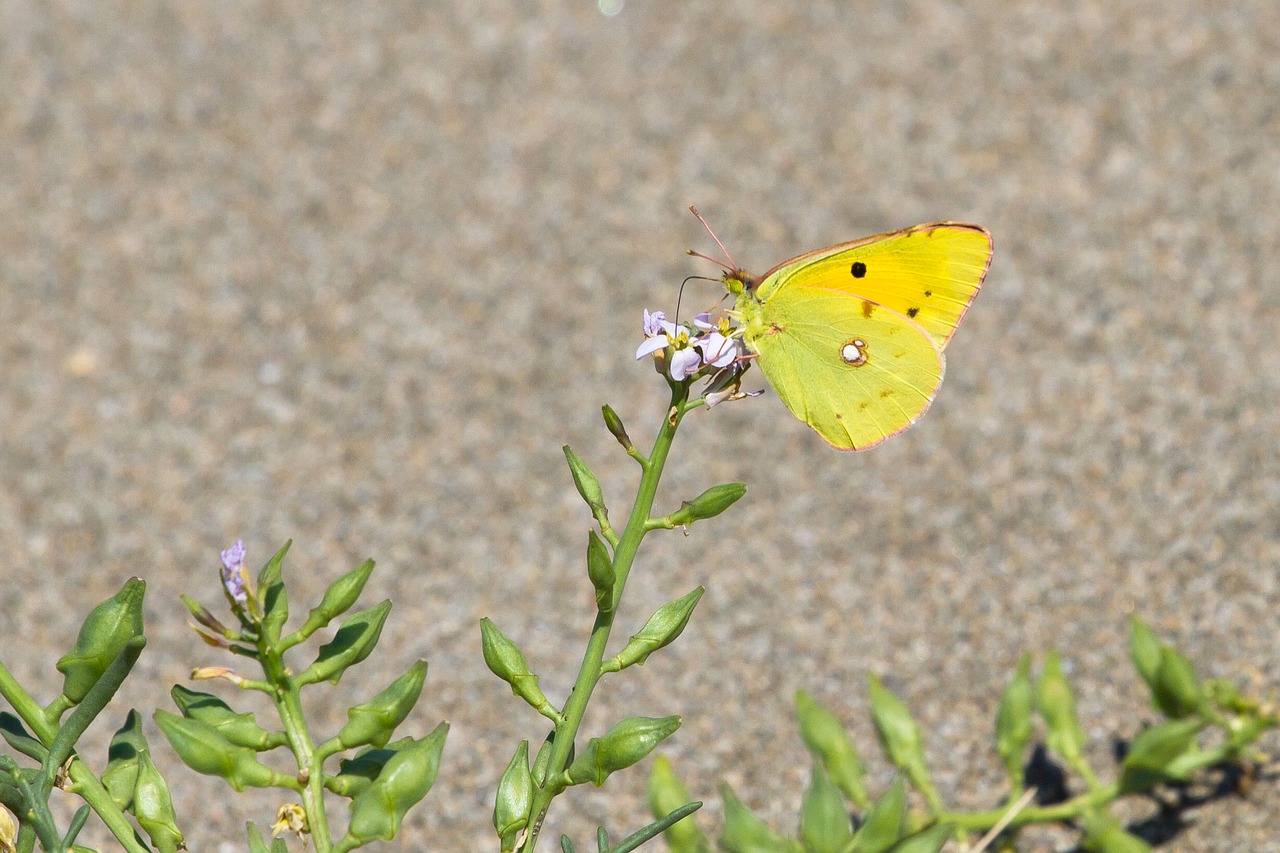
[744, 832]
[506, 661]
[153, 807]
[202, 748]
[542, 761]
[1144, 650]
[239, 729]
[709, 504]
[1177, 691]
[355, 640]
[338, 599]
[1057, 706]
[898, 732]
[1152, 753]
[614, 424]
[666, 794]
[105, 632]
[884, 823]
[584, 479]
[667, 623]
[600, 570]
[375, 721]
[830, 743]
[1013, 723]
[514, 798]
[824, 820]
[275, 602]
[377, 812]
[623, 745]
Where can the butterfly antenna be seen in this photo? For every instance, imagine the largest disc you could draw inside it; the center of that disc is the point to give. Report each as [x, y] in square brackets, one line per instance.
[688, 279]
[731, 266]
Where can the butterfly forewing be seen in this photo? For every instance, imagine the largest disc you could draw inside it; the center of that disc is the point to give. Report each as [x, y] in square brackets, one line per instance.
[928, 274]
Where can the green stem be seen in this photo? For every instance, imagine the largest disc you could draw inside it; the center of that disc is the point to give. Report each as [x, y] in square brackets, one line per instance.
[288, 702]
[623, 556]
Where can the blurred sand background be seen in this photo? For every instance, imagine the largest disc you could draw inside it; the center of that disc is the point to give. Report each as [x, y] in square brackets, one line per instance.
[351, 273]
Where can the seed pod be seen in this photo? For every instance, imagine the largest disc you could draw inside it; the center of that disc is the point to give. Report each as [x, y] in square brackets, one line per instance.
[239, 729]
[506, 661]
[376, 814]
[829, 742]
[338, 599]
[824, 820]
[374, 722]
[585, 480]
[106, 631]
[667, 623]
[623, 745]
[514, 798]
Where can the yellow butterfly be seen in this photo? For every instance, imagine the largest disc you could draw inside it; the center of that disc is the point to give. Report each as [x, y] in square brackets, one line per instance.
[851, 336]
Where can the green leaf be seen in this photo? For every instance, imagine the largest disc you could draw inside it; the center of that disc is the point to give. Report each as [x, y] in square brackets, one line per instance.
[1153, 752]
[1104, 834]
[1013, 723]
[929, 840]
[662, 826]
[746, 833]
[355, 640]
[885, 822]
[667, 796]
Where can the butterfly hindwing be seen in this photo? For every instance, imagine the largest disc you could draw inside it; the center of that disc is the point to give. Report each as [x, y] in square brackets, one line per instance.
[855, 370]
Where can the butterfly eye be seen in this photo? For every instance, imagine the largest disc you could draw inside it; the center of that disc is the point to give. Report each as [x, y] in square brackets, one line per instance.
[854, 353]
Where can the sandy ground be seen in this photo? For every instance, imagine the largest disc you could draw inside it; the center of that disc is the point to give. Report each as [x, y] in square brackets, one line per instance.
[351, 273]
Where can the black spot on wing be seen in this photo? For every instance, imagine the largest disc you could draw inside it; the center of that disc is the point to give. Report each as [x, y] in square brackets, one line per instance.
[859, 269]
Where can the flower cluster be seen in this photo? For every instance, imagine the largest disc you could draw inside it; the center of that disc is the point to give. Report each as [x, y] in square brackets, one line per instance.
[696, 349]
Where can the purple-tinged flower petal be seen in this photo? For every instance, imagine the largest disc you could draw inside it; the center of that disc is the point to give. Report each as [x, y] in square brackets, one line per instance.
[655, 323]
[703, 321]
[717, 350]
[652, 345]
[684, 363]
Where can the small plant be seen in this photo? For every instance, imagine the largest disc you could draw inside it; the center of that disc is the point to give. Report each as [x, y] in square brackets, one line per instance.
[382, 779]
[1167, 754]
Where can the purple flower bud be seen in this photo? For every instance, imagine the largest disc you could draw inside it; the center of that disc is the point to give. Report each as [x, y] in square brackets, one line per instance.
[234, 577]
